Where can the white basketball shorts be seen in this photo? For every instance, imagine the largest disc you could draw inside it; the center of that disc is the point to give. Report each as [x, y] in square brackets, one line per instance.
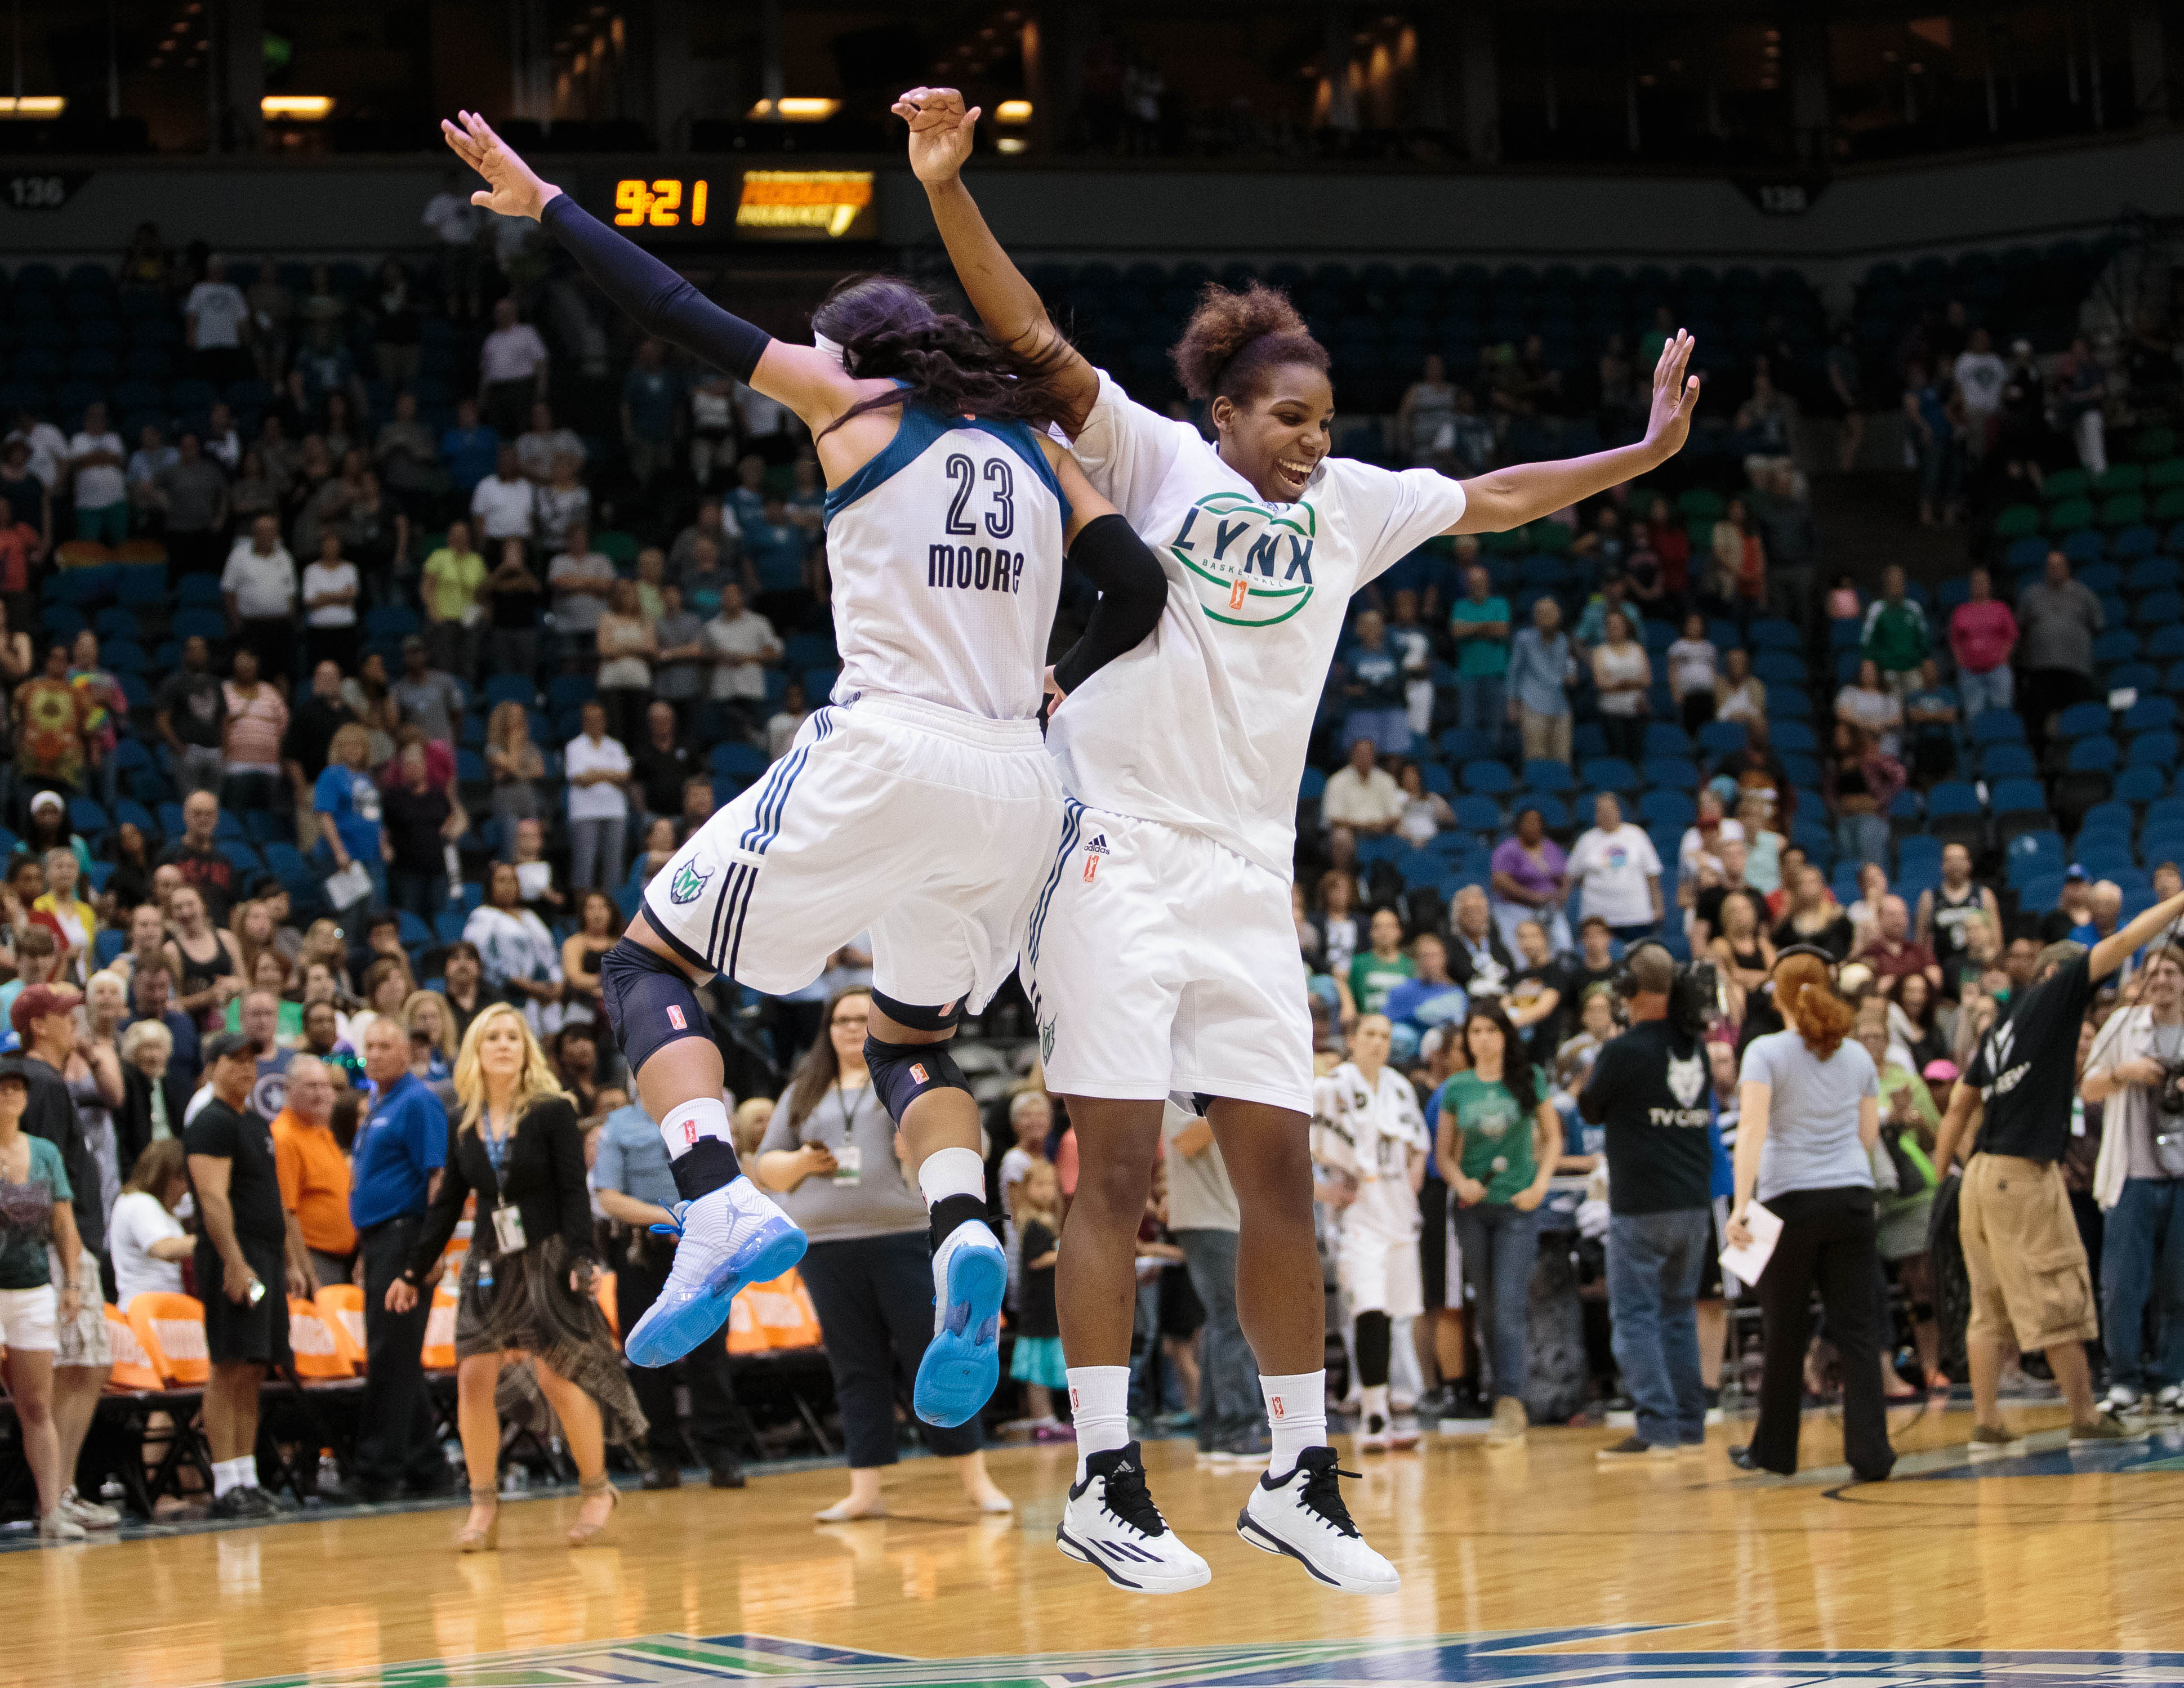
[1159, 961]
[931, 829]
[1380, 1276]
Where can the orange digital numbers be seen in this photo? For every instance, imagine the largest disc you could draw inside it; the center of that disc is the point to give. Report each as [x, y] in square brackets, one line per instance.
[658, 204]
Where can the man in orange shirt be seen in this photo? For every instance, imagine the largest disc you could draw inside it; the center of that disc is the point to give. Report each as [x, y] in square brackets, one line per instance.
[313, 1172]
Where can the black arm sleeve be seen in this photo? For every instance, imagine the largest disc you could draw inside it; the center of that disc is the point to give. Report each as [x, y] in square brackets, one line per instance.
[1132, 593]
[659, 301]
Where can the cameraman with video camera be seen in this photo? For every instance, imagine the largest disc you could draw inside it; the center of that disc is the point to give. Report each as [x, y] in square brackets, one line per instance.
[1649, 1089]
[2139, 1182]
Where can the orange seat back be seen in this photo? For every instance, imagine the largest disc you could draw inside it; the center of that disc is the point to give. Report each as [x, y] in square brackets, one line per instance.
[343, 1307]
[315, 1340]
[439, 1349]
[778, 1315]
[132, 1367]
[171, 1329]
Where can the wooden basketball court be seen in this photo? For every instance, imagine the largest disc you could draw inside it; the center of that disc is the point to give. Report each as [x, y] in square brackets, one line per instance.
[1532, 1564]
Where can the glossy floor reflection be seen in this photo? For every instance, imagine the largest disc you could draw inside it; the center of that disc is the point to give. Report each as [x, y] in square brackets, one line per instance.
[1528, 1564]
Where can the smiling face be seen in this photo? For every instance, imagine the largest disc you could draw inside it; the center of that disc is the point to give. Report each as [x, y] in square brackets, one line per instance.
[1276, 439]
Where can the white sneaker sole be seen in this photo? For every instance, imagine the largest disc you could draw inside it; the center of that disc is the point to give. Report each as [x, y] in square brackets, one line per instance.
[1259, 1536]
[1156, 1576]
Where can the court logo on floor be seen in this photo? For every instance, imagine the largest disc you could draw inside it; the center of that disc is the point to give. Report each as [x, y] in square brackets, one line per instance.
[1575, 1657]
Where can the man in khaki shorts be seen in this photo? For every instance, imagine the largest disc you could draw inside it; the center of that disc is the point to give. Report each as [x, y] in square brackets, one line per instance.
[2012, 1117]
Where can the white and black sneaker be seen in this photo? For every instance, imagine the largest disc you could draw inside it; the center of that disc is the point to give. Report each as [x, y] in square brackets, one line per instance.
[1303, 1515]
[1111, 1523]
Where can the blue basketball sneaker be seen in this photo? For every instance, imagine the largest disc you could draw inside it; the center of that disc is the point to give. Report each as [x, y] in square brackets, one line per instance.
[963, 1362]
[729, 1237]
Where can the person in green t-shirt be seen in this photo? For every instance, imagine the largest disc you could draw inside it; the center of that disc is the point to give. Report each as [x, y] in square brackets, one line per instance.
[454, 577]
[1382, 968]
[1480, 624]
[1495, 1147]
[36, 1208]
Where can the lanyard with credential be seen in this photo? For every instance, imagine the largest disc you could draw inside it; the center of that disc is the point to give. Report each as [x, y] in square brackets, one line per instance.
[507, 1220]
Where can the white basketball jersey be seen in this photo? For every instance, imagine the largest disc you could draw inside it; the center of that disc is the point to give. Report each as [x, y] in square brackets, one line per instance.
[1205, 725]
[945, 551]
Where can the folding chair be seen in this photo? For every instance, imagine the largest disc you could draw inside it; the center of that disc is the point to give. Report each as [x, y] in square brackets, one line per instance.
[342, 1306]
[316, 1339]
[171, 1329]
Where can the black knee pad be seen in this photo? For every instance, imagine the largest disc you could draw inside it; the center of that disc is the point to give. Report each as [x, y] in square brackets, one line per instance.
[944, 1018]
[902, 1072]
[650, 1002]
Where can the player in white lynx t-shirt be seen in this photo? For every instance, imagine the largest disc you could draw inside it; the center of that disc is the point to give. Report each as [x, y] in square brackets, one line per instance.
[1162, 956]
[918, 804]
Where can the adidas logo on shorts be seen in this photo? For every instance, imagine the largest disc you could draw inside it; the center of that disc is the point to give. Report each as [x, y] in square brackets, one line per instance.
[1092, 852]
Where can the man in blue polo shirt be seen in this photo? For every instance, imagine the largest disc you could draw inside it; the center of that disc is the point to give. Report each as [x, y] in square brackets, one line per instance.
[400, 1150]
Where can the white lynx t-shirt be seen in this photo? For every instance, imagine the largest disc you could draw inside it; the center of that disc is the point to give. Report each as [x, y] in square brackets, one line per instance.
[1204, 726]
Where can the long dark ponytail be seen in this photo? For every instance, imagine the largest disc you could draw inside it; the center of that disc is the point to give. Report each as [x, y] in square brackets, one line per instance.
[886, 327]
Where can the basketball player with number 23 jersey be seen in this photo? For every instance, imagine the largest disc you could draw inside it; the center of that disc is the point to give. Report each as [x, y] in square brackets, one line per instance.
[918, 804]
[1162, 958]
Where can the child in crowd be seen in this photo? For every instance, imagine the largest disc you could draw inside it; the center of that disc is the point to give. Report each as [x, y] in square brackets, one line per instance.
[1037, 1363]
[752, 1116]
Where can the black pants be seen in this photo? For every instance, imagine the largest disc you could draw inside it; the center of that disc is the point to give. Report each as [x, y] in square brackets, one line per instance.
[1827, 1241]
[715, 1423]
[874, 1299]
[337, 645]
[272, 640]
[2047, 692]
[187, 553]
[395, 1441]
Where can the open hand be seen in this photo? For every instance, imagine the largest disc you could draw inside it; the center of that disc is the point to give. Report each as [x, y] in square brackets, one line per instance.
[940, 131]
[1675, 396]
[514, 188]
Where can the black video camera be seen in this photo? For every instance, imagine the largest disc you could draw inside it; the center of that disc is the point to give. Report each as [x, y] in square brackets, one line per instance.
[1696, 997]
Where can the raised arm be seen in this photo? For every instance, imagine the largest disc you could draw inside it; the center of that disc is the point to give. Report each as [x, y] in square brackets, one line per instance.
[1008, 306]
[1507, 498]
[2119, 945]
[662, 303]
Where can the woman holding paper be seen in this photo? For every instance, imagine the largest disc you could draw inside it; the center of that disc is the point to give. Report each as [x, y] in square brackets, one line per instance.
[1811, 1114]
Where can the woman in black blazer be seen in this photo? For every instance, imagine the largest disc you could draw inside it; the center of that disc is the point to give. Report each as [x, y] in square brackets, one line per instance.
[152, 1094]
[527, 1282]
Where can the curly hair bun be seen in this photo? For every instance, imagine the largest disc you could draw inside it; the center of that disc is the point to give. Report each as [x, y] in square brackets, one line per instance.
[1233, 338]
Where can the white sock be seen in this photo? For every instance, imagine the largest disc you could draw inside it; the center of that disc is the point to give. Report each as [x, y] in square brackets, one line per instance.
[952, 1172]
[685, 1123]
[1297, 1417]
[1376, 1401]
[1100, 1405]
[240, 1473]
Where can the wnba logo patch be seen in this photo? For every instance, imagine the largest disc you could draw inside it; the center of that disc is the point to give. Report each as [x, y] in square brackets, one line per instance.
[675, 1018]
[917, 1071]
[1274, 1407]
[1092, 852]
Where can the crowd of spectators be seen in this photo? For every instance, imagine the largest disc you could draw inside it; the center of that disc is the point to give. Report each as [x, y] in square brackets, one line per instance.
[282, 833]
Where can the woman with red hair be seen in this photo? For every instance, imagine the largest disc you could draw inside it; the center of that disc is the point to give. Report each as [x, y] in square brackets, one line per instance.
[1811, 1102]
